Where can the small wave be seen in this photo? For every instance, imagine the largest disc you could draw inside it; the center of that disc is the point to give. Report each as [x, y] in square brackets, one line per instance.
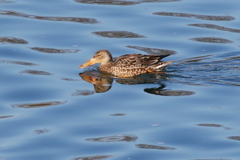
[209, 69]
[120, 2]
[197, 16]
[69, 19]
[118, 34]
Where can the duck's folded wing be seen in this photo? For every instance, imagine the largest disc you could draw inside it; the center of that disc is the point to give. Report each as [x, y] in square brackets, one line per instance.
[138, 60]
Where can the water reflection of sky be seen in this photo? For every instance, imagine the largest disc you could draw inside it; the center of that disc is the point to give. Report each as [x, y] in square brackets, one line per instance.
[50, 109]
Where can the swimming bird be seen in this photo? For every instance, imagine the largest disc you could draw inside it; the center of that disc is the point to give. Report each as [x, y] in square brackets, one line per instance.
[127, 65]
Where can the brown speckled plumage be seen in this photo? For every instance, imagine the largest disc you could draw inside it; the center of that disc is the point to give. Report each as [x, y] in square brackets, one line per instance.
[127, 65]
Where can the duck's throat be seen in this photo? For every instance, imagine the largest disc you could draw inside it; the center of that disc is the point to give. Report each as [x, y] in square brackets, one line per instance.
[105, 67]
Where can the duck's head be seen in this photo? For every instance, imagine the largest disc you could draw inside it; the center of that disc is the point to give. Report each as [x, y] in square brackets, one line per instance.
[102, 56]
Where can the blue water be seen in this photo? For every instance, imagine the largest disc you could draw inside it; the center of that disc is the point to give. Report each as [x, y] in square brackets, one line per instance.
[51, 109]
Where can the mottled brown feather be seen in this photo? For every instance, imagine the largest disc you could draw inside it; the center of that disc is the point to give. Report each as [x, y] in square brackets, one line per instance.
[128, 65]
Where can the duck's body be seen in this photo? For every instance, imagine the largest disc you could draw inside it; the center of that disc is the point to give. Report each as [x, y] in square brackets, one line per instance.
[127, 65]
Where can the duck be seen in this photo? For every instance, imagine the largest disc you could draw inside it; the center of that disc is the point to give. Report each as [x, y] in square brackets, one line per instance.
[128, 65]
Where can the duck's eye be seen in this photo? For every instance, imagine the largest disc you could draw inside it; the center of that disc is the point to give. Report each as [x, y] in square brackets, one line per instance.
[97, 55]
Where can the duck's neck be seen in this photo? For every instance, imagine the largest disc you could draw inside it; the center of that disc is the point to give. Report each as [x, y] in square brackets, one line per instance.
[106, 63]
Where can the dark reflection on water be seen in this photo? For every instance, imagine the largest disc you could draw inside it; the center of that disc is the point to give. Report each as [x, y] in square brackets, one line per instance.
[237, 138]
[162, 92]
[18, 62]
[209, 125]
[13, 40]
[69, 79]
[147, 146]
[213, 159]
[7, 116]
[6, 1]
[115, 138]
[118, 34]
[40, 104]
[53, 50]
[101, 78]
[103, 84]
[197, 16]
[35, 72]
[69, 19]
[213, 26]
[93, 157]
[118, 114]
[41, 131]
[211, 40]
[213, 125]
[120, 2]
[82, 93]
[155, 51]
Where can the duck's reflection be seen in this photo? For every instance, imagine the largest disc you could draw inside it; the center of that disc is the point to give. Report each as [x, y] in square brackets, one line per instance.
[101, 83]
[165, 92]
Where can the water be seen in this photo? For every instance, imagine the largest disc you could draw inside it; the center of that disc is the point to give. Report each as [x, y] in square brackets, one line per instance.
[50, 109]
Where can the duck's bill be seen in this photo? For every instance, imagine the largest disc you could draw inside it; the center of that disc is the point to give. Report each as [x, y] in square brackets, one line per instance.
[88, 63]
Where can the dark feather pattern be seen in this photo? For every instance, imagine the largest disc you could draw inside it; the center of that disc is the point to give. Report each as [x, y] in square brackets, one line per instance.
[136, 59]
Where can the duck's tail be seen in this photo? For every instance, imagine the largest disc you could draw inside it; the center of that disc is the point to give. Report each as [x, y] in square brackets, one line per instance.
[163, 64]
[159, 66]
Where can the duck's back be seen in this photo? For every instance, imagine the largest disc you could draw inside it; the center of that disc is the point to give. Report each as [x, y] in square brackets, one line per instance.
[137, 60]
[133, 64]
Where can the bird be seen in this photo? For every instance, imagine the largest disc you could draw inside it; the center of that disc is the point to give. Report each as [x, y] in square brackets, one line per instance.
[128, 65]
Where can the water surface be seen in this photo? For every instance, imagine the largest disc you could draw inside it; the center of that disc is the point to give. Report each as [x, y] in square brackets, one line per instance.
[50, 109]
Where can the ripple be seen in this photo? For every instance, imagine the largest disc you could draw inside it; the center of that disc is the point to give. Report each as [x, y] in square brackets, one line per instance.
[35, 72]
[6, 1]
[53, 50]
[211, 40]
[237, 138]
[155, 51]
[118, 114]
[13, 40]
[213, 125]
[212, 159]
[213, 26]
[210, 125]
[116, 138]
[68, 19]
[119, 2]
[93, 157]
[83, 93]
[69, 79]
[159, 91]
[147, 146]
[6, 116]
[40, 104]
[197, 16]
[222, 68]
[41, 131]
[18, 62]
[118, 34]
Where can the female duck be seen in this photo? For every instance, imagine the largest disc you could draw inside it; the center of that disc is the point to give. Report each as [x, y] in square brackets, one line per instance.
[127, 65]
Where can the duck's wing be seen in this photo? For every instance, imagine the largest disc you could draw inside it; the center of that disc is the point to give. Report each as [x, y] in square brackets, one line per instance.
[138, 59]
